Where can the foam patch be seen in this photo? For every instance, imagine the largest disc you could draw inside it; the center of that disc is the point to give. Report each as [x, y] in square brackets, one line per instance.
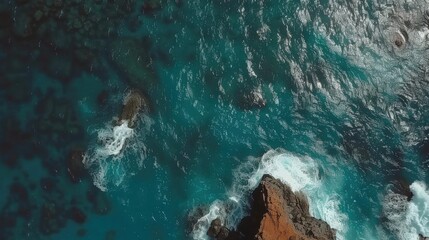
[408, 219]
[300, 173]
[105, 159]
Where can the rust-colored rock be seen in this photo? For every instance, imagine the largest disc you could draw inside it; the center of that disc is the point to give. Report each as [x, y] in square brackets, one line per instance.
[277, 213]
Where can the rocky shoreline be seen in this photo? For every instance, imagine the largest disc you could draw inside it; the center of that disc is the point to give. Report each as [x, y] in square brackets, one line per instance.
[276, 213]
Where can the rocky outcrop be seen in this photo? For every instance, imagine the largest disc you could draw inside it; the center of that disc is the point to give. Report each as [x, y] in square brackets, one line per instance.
[218, 231]
[277, 213]
[133, 104]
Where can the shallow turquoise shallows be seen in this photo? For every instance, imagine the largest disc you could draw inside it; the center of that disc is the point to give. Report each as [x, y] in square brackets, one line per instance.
[329, 96]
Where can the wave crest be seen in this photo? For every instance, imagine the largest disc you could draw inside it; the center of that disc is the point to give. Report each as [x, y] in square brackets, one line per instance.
[300, 173]
[107, 159]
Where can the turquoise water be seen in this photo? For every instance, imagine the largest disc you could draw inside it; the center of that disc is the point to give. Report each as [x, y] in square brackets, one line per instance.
[344, 116]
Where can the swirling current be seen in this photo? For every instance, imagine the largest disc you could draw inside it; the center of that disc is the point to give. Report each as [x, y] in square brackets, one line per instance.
[329, 96]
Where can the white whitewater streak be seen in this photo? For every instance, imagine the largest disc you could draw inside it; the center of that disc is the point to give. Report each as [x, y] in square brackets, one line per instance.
[300, 173]
[408, 219]
[418, 211]
[113, 146]
[104, 158]
[367, 41]
[216, 210]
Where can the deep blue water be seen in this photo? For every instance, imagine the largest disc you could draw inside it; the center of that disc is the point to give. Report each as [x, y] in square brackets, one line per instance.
[344, 116]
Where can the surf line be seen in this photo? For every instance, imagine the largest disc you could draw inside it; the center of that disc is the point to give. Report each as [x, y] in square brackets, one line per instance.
[103, 159]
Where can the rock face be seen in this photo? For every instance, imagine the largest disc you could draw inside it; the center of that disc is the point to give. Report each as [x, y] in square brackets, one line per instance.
[134, 103]
[217, 230]
[277, 213]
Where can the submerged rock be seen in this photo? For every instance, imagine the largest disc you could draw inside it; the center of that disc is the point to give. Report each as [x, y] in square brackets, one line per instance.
[77, 215]
[23, 27]
[252, 99]
[110, 235]
[150, 6]
[81, 232]
[278, 213]
[57, 121]
[59, 66]
[132, 58]
[75, 166]
[102, 98]
[48, 184]
[51, 219]
[99, 200]
[16, 86]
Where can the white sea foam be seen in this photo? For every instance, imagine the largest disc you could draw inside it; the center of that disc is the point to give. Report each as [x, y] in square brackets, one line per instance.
[105, 159]
[297, 172]
[300, 173]
[408, 219]
[114, 140]
[216, 210]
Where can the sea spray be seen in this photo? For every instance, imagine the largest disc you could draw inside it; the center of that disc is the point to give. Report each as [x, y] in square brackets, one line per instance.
[109, 159]
[299, 172]
[113, 146]
[216, 210]
[104, 159]
[408, 219]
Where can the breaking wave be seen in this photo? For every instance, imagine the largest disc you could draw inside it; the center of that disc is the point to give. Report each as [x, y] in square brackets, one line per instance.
[300, 173]
[109, 160]
[408, 219]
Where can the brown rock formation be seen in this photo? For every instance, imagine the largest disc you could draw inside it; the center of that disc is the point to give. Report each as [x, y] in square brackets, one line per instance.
[217, 230]
[277, 213]
[134, 103]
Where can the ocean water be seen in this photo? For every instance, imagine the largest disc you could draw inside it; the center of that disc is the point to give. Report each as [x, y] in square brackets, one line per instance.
[329, 96]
